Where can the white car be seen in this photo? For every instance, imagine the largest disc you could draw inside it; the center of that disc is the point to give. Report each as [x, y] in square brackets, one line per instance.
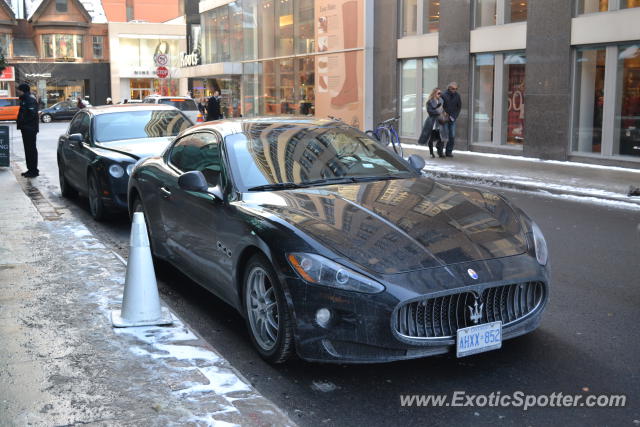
[183, 103]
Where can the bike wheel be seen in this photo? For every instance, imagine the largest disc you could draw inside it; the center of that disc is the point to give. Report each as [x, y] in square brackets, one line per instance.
[371, 134]
[397, 146]
[384, 136]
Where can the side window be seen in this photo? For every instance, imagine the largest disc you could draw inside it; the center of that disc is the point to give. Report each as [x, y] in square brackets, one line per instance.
[198, 151]
[81, 124]
[74, 126]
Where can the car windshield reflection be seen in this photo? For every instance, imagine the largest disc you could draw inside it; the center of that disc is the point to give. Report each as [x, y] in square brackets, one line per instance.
[139, 124]
[293, 156]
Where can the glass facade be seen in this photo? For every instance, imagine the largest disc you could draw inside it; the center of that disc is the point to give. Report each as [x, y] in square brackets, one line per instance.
[485, 13]
[593, 6]
[418, 76]
[514, 65]
[420, 17]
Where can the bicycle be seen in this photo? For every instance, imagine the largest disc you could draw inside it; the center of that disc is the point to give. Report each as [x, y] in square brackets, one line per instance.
[386, 134]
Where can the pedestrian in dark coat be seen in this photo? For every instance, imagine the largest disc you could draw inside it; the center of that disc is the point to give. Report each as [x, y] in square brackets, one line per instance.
[452, 105]
[213, 107]
[28, 122]
[432, 129]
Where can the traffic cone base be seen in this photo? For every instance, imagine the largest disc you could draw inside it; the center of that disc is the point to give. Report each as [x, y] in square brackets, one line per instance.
[140, 300]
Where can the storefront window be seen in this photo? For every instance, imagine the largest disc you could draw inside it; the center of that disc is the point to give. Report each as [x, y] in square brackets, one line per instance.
[627, 4]
[429, 81]
[61, 46]
[409, 101]
[250, 28]
[235, 18]
[304, 26]
[270, 95]
[515, 72]
[431, 16]
[306, 85]
[251, 77]
[286, 87]
[483, 80]
[140, 88]
[627, 118]
[591, 6]
[516, 11]
[589, 95]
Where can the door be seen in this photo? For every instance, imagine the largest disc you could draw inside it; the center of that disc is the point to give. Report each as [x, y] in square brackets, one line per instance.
[77, 155]
[192, 219]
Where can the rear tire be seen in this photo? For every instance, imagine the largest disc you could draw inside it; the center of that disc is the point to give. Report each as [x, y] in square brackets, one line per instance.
[371, 134]
[46, 118]
[266, 311]
[66, 190]
[385, 137]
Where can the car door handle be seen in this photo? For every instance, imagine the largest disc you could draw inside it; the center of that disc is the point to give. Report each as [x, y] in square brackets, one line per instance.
[165, 192]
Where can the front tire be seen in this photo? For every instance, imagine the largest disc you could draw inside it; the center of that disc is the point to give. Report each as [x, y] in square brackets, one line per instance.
[46, 118]
[266, 311]
[96, 205]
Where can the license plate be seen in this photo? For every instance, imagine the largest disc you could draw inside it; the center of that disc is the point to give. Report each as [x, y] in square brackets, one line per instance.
[476, 339]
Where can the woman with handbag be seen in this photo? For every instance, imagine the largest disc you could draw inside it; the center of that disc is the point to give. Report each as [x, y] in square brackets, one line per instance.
[432, 126]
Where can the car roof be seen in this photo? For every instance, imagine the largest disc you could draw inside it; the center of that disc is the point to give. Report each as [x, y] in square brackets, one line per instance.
[168, 97]
[228, 127]
[102, 109]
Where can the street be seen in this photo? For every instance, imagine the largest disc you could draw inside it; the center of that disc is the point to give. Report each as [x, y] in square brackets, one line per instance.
[587, 342]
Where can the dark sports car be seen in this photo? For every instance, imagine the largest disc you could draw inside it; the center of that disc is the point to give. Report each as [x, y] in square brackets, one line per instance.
[101, 145]
[336, 249]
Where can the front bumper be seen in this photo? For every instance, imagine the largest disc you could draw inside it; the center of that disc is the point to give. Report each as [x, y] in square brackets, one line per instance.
[361, 329]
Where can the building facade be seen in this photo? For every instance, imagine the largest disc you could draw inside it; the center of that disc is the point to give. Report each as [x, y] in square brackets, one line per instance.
[548, 79]
[148, 59]
[58, 47]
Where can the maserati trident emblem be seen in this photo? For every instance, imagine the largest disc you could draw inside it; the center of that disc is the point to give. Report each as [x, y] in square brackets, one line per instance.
[475, 312]
[472, 273]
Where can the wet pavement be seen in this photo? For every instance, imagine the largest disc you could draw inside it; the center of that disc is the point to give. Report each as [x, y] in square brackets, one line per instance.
[62, 363]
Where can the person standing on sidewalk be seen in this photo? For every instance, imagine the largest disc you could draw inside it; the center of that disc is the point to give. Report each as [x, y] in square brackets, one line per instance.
[452, 106]
[432, 129]
[213, 107]
[28, 123]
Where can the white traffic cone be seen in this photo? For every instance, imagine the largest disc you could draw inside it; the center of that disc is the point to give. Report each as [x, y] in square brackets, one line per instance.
[140, 302]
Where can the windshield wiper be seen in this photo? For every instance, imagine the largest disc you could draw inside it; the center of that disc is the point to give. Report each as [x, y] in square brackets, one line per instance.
[378, 178]
[335, 180]
[276, 186]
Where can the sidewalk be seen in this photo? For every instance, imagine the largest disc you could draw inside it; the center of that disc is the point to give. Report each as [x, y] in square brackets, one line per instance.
[62, 363]
[561, 178]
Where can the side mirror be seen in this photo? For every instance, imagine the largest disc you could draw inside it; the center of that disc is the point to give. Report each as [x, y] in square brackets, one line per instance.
[76, 137]
[416, 162]
[193, 181]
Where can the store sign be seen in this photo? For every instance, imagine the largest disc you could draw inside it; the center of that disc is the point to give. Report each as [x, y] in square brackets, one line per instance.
[8, 75]
[37, 75]
[162, 72]
[190, 59]
[4, 146]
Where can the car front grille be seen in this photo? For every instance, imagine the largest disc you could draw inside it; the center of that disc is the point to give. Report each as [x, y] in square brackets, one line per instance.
[441, 317]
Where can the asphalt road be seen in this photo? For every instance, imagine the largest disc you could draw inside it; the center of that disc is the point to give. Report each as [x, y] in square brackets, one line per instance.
[587, 342]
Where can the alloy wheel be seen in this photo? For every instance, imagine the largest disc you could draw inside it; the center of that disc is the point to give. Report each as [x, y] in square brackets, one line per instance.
[262, 308]
[46, 118]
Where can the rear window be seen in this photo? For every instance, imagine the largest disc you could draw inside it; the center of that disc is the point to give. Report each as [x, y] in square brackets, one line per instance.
[8, 102]
[180, 104]
[139, 124]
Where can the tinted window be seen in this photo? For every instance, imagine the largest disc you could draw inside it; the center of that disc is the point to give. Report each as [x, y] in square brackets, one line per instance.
[81, 124]
[199, 151]
[5, 103]
[180, 104]
[139, 124]
[267, 153]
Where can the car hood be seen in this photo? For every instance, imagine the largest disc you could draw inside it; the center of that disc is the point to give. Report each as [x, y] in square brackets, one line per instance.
[400, 225]
[138, 148]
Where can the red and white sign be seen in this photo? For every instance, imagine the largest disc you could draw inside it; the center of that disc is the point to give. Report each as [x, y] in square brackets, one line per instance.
[162, 72]
[8, 75]
[162, 59]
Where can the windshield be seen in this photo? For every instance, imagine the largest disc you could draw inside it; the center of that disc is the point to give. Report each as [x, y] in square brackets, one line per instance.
[180, 104]
[290, 155]
[139, 124]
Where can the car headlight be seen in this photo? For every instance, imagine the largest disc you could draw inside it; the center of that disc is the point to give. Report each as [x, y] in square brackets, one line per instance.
[116, 171]
[540, 244]
[130, 168]
[319, 270]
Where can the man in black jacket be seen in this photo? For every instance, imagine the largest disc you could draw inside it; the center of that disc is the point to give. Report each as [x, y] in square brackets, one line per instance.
[29, 124]
[452, 105]
[213, 107]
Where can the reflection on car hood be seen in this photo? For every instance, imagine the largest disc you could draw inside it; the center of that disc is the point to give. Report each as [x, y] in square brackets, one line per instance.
[400, 225]
[138, 148]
